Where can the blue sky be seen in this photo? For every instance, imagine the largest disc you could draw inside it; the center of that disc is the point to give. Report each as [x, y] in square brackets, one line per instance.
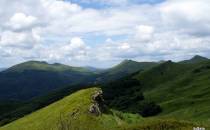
[100, 4]
[102, 33]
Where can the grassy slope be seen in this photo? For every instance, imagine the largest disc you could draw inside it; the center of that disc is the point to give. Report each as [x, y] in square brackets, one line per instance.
[53, 116]
[182, 90]
[13, 110]
[49, 117]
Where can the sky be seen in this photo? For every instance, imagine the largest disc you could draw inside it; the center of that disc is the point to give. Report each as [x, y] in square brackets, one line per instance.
[102, 33]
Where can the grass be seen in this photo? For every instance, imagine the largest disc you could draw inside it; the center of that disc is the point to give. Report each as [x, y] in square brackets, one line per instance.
[60, 112]
[182, 90]
[71, 113]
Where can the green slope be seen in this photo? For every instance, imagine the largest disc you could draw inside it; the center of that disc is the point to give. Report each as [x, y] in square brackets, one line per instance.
[50, 117]
[182, 90]
[13, 110]
[60, 112]
[72, 113]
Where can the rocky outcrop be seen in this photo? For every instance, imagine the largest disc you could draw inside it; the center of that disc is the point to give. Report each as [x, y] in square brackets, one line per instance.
[94, 109]
[97, 106]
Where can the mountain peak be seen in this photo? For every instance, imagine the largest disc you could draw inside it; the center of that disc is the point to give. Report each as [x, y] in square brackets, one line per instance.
[126, 61]
[34, 62]
[195, 59]
[198, 57]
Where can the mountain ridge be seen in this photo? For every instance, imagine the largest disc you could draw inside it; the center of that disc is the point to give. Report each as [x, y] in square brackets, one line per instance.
[34, 78]
[43, 65]
[124, 68]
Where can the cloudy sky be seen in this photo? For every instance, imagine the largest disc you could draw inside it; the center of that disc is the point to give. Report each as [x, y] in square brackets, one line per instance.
[102, 33]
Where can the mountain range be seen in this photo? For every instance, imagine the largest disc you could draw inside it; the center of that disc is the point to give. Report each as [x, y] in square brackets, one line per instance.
[35, 78]
[135, 95]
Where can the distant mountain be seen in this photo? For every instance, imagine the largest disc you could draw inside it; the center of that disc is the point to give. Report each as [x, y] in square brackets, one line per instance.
[126, 67]
[44, 66]
[195, 59]
[35, 78]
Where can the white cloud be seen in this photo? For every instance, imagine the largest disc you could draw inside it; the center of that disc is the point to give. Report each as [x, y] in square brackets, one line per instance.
[57, 8]
[144, 32]
[124, 46]
[76, 49]
[76, 43]
[20, 21]
[187, 16]
[17, 39]
[41, 30]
